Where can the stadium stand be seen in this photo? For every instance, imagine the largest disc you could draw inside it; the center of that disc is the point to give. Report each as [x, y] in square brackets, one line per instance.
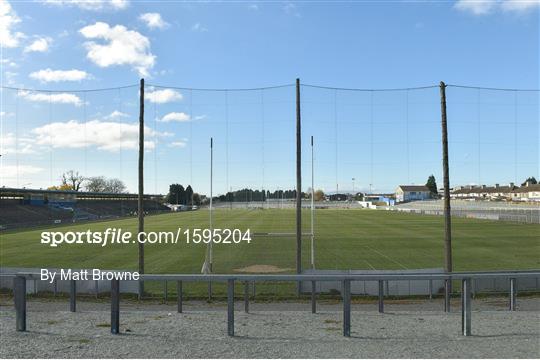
[21, 208]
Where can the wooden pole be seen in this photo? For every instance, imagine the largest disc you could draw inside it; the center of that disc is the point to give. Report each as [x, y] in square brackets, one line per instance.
[140, 210]
[298, 184]
[446, 181]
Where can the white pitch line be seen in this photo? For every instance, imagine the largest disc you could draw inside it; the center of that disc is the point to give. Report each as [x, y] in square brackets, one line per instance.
[389, 258]
[369, 264]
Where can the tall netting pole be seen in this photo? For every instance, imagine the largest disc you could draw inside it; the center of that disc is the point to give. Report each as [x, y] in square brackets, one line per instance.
[140, 207]
[298, 184]
[446, 181]
[312, 209]
[210, 260]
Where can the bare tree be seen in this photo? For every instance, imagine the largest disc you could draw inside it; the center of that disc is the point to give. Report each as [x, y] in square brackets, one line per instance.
[72, 179]
[115, 186]
[96, 184]
[104, 185]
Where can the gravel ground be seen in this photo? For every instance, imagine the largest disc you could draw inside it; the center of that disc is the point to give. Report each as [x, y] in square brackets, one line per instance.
[417, 329]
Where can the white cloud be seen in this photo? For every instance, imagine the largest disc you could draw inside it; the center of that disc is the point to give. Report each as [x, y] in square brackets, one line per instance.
[38, 45]
[49, 75]
[94, 5]
[519, 5]
[484, 7]
[11, 145]
[176, 117]
[8, 19]
[199, 27]
[253, 7]
[291, 9]
[9, 77]
[121, 47]
[104, 135]
[163, 96]
[8, 62]
[56, 98]
[13, 171]
[116, 115]
[153, 20]
[178, 144]
[477, 7]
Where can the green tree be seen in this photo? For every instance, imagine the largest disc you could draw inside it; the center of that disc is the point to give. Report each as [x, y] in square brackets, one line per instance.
[189, 196]
[531, 180]
[319, 195]
[432, 185]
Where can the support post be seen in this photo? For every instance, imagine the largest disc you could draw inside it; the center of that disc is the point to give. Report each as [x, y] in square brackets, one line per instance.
[96, 288]
[165, 292]
[209, 259]
[446, 182]
[381, 296]
[298, 186]
[230, 307]
[179, 295]
[430, 289]
[513, 293]
[246, 296]
[447, 293]
[347, 308]
[72, 295]
[140, 204]
[55, 287]
[115, 306]
[466, 307]
[313, 297]
[19, 296]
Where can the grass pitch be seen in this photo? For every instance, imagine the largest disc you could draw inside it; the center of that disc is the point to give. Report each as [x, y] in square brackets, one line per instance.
[344, 239]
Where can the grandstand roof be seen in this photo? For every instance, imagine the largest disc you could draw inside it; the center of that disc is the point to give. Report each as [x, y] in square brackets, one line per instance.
[4, 191]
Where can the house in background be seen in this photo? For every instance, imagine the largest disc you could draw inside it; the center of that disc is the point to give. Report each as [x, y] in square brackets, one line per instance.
[412, 193]
[528, 192]
[483, 192]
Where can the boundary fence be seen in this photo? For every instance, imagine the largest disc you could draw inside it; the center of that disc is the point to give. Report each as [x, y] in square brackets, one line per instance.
[465, 278]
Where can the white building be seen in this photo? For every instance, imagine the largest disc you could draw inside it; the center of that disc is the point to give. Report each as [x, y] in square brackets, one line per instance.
[412, 193]
[529, 192]
[484, 192]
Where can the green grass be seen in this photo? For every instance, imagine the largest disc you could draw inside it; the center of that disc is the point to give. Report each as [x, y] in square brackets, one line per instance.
[345, 239]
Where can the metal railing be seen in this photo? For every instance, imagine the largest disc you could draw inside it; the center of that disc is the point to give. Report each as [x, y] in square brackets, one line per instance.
[346, 279]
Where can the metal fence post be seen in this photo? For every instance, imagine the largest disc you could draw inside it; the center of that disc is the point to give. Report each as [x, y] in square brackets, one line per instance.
[313, 297]
[115, 306]
[347, 308]
[19, 296]
[55, 290]
[466, 306]
[447, 295]
[513, 293]
[165, 292]
[96, 288]
[230, 307]
[72, 295]
[179, 295]
[430, 289]
[246, 296]
[381, 296]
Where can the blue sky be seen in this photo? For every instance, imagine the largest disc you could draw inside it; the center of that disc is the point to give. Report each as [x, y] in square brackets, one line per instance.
[378, 138]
